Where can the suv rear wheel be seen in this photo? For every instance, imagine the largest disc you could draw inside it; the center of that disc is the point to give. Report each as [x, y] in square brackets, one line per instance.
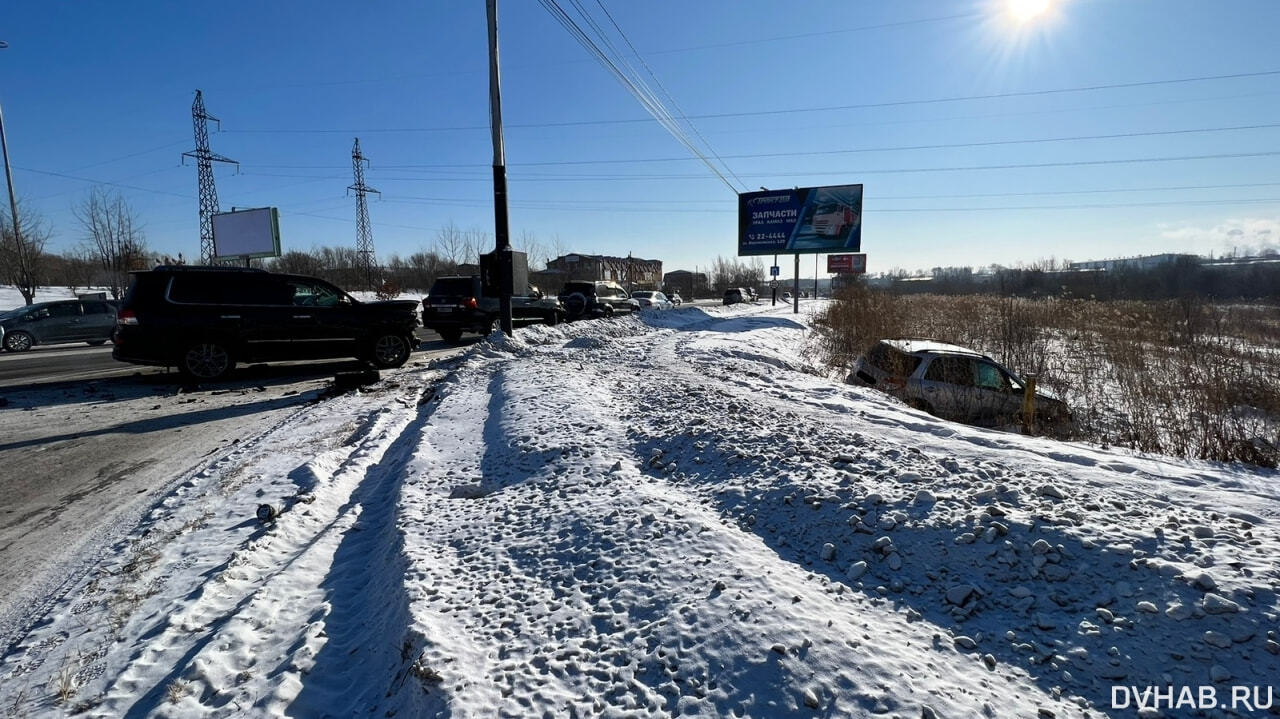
[389, 350]
[205, 360]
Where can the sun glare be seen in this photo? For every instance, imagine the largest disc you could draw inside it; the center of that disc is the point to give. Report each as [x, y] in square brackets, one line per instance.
[1026, 10]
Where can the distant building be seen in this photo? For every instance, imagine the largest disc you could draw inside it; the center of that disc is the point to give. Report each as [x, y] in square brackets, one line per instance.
[1147, 262]
[634, 272]
[688, 284]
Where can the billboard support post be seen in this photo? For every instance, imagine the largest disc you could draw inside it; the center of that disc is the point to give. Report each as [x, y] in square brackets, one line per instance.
[795, 296]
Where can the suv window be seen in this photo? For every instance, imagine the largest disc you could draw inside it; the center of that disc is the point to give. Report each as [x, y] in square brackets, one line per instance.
[227, 289]
[453, 287]
[198, 289]
[892, 361]
[313, 294]
[97, 308]
[586, 288]
[990, 377]
[951, 370]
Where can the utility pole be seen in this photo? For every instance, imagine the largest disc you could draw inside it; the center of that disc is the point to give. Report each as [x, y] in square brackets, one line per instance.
[8, 176]
[364, 234]
[502, 239]
[205, 158]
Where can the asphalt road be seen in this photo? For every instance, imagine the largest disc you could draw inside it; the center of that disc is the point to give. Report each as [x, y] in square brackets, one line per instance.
[86, 441]
[79, 362]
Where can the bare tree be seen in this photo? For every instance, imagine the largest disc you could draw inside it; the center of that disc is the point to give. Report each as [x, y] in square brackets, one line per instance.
[297, 262]
[73, 269]
[534, 248]
[449, 243]
[558, 247]
[477, 242]
[113, 235]
[22, 258]
[732, 272]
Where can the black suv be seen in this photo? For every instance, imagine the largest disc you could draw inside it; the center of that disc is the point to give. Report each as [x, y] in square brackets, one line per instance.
[582, 300]
[458, 304]
[203, 320]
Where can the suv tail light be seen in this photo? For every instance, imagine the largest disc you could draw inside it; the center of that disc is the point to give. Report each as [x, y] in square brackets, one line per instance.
[471, 303]
[126, 317]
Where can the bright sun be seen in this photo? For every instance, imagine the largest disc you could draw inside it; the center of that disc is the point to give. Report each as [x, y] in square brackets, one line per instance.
[1027, 10]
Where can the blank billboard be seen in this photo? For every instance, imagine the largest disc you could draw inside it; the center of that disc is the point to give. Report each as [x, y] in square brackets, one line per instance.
[246, 233]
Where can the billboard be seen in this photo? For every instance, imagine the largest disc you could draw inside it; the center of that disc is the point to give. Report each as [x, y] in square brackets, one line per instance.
[243, 234]
[805, 220]
[847, 264]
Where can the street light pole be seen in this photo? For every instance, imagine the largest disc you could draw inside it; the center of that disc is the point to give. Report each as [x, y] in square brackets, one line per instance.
[502, 238]
[8, 173]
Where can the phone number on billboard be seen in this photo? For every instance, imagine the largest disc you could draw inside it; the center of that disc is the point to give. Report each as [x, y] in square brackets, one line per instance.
[767, 236]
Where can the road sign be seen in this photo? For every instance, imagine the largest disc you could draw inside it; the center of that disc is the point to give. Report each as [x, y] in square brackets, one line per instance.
[775, 271]
[773, 284]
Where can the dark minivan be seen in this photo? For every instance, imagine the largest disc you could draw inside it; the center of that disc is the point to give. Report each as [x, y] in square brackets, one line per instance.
[203, 320]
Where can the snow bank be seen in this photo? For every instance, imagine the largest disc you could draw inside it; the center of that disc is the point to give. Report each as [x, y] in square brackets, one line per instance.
[663, 515]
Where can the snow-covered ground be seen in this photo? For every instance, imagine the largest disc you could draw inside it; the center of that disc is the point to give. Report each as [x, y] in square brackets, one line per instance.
[659, 516]
[11, 298]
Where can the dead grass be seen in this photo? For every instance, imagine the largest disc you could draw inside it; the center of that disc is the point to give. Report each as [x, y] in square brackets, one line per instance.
[1183, 377]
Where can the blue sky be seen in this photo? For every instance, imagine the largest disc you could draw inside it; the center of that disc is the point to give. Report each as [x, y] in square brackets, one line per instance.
[101, 92]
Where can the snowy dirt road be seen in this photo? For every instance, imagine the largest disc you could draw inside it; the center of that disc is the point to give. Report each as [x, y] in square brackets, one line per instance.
[662, 516]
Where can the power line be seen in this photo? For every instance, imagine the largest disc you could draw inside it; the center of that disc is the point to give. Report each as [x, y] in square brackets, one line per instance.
[898, 148]
[1103, 206]
[760, 113]
[633, 83]
[661, 87]
[533, 177]
[103, 182]
[617, 203]
[800, 36]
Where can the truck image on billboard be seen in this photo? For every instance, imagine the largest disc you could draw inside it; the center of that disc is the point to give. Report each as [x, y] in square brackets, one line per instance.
[806, 220]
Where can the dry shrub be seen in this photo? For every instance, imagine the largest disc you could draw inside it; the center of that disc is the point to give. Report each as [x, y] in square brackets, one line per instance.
[388, 290]
[1183, 377]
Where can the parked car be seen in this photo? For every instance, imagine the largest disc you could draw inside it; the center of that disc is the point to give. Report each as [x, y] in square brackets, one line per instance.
[203, 320]
[458, 304]
[584, 300]
[734, 295]
[675, 299]
[749, 293]
[46, 323]
[786, 296]
[955, 383]
[650, 298]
